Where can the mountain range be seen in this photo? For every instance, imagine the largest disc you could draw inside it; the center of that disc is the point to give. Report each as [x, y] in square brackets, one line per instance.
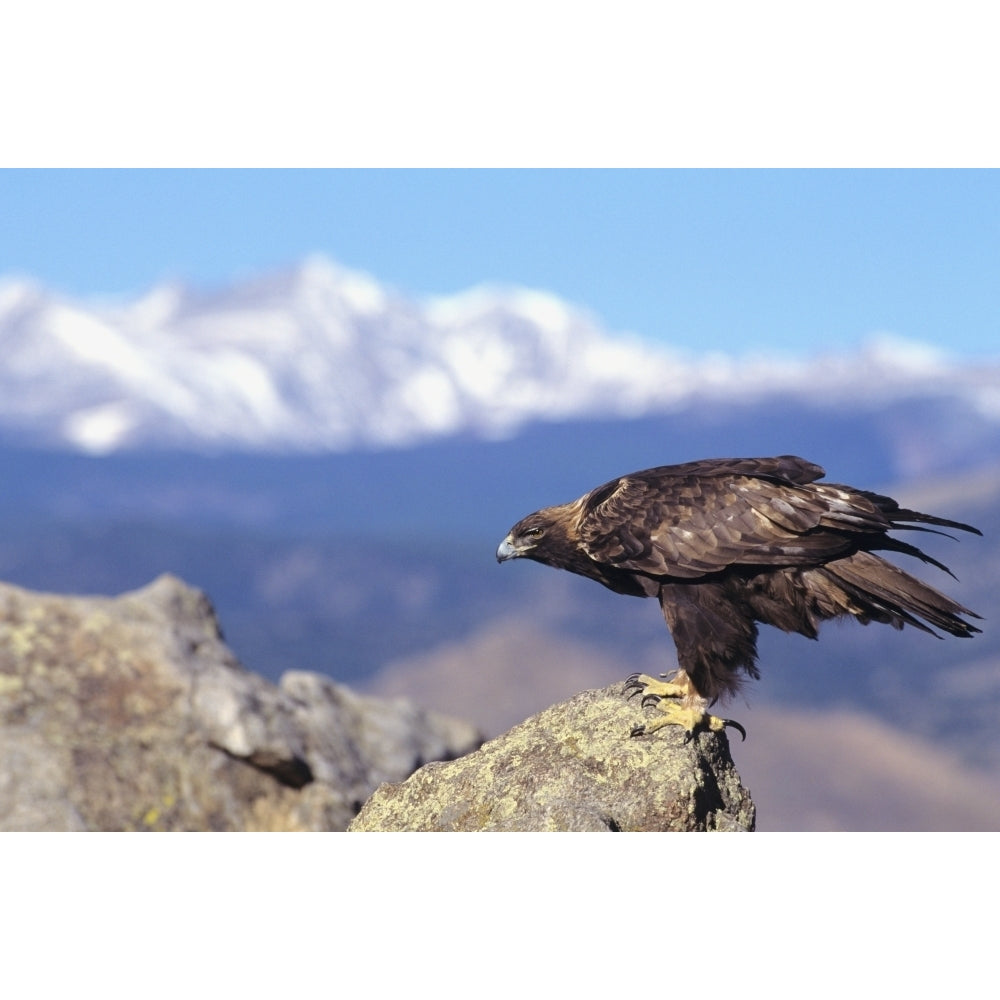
[321, 359]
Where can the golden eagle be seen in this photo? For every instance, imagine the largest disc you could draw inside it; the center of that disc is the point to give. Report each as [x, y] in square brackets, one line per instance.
[727, 543]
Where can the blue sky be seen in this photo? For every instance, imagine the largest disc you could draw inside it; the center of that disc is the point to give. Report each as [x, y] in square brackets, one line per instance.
[788, 261]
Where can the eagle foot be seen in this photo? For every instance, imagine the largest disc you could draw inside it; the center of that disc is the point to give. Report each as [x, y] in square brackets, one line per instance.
[666, 696]
[653, 688]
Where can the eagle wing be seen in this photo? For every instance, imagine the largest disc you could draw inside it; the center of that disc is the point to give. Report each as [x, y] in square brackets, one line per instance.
[700, 518]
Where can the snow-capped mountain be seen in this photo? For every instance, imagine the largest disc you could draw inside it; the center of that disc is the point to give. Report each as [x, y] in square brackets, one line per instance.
[323, 359]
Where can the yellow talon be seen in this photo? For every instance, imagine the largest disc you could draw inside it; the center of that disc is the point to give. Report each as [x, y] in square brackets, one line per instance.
[660, 688]
[680, 704]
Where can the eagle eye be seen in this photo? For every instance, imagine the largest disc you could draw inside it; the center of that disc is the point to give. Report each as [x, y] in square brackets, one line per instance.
[534, 533]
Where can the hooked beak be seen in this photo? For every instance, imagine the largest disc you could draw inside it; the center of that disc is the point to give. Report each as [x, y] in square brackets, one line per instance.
[506, 550]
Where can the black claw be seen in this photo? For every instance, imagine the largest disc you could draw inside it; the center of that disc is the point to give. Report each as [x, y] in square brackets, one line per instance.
[735, 725]
[638, 731]
[650, 699]
[633, 687]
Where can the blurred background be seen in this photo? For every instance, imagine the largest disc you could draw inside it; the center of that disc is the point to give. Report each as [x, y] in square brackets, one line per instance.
[324, 396]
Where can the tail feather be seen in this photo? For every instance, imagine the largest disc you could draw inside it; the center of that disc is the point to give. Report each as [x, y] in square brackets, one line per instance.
[884, 593]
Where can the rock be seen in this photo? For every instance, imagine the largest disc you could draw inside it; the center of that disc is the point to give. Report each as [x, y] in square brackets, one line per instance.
[131, 713]
[573, 767]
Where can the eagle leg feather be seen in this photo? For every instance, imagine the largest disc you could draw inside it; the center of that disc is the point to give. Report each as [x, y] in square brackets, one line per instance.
[680, 704]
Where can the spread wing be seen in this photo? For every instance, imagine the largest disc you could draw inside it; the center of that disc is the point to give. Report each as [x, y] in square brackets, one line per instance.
[697, 519]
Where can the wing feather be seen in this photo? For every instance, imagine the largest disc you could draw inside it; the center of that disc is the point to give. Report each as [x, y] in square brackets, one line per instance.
[696, 519]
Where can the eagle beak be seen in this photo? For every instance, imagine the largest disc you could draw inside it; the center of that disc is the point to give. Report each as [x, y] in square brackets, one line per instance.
[506, 550]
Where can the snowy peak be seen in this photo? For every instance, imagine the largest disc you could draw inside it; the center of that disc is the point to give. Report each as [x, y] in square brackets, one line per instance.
[319, 357]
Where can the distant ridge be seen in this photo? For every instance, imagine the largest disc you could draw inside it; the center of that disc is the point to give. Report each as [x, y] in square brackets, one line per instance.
[318, 358]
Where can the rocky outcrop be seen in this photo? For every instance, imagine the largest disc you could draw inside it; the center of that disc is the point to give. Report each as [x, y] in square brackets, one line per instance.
[131, 713]
[573, 767]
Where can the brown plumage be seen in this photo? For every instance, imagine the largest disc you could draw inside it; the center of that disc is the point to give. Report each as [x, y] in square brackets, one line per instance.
[727, 543]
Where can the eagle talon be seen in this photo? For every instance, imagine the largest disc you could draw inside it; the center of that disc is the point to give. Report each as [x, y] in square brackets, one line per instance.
[679, 707]
[634, 684]
[733, 724]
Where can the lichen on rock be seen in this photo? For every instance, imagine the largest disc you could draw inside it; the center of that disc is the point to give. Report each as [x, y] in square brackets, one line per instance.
[573, 767]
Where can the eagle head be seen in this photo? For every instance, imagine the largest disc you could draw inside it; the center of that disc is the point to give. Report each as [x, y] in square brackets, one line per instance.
[530, 537]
